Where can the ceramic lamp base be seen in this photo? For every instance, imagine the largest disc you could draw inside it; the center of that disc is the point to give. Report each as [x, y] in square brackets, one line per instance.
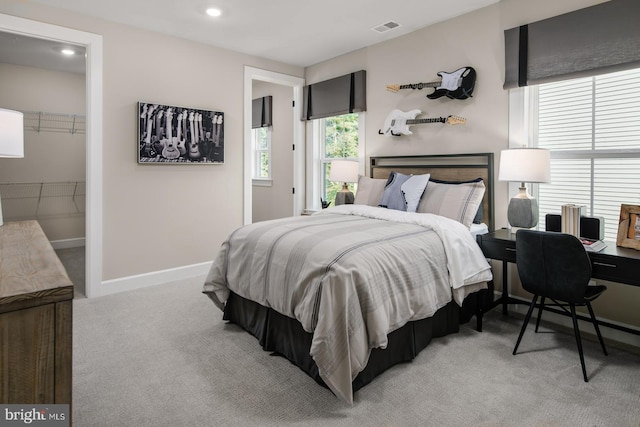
[523, 210]
[344, 197]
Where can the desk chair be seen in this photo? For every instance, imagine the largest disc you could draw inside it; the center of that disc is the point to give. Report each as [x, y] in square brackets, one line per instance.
[556, 266]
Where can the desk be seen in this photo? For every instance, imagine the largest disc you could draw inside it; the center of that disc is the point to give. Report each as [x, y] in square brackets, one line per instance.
[613, 263]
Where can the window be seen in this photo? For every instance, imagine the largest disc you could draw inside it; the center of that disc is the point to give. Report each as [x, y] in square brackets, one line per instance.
[335, 137]
[261, 138]
[592, 128]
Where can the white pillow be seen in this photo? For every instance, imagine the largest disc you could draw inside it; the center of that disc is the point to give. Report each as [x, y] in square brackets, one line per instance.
[456, 201]
[369, 191]
[413, 189]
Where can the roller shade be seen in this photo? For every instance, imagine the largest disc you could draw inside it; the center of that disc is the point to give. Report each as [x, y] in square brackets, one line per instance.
[334, 97]
[261, 112]
[595, 40]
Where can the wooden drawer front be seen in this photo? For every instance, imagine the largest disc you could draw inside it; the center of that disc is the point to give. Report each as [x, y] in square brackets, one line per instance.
[500, 250]
[27, 355]
[615, 269]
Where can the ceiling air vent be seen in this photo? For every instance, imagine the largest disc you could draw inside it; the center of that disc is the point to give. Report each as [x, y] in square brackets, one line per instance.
[387, 26]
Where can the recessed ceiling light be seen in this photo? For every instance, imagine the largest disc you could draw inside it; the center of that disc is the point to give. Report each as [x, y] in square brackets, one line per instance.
[68, 52]
[212, 11]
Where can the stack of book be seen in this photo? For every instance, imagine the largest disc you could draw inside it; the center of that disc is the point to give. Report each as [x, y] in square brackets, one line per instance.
[571, 219]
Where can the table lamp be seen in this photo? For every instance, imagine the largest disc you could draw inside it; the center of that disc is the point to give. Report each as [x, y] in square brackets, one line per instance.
[344, 171]
[524, 165]
[11, 138]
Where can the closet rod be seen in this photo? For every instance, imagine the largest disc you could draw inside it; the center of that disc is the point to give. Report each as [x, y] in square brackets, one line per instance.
[39, 121]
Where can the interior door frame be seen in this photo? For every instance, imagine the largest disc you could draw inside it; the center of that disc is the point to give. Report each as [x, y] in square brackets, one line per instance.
[93, 78]
[297, 83]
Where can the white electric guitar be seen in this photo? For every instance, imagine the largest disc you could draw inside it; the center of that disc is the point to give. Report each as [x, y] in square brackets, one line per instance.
[398, 122]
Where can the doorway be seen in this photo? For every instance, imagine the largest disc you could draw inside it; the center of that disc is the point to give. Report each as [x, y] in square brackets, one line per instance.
[273, 158]
[252, 75]
[93, 46]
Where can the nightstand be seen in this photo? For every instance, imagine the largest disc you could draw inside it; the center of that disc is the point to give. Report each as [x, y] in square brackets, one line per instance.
[35, 318]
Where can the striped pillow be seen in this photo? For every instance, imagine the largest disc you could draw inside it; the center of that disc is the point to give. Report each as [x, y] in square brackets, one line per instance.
[458, 201]
[369, 191]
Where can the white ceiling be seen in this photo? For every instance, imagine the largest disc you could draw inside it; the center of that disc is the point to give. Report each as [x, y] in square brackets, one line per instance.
[296, 32]
[32, 52]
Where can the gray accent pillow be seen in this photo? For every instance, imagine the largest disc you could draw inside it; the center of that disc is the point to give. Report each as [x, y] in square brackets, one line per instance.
[392, 197]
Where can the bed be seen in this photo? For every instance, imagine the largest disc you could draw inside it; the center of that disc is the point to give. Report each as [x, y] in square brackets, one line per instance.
[348, 292]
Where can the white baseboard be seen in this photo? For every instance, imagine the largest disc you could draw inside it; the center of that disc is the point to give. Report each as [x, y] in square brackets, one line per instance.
[68, 243]
[138, 281]
[565, 321]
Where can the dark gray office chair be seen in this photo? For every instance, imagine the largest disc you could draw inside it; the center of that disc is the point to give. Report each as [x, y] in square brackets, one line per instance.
[556, 266]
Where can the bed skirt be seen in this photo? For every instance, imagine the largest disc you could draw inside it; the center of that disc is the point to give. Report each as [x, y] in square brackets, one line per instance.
[284, 336]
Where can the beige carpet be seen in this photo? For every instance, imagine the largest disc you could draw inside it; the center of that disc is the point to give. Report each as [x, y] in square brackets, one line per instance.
[162, 356]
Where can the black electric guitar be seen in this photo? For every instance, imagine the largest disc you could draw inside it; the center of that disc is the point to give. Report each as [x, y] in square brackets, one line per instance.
[456, 85]
[398, 122]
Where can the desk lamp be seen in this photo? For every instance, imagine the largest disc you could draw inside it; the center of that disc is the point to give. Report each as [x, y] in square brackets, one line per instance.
[524, 165]
[344, 171]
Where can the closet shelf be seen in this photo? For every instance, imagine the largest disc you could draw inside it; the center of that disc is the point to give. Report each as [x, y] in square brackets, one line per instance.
[34, 200]
[40, 121]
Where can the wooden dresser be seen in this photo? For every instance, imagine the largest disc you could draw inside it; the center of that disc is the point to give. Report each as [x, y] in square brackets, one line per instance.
[35, 318]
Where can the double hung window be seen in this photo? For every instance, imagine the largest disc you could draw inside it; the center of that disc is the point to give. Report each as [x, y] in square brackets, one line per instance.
[592, 128]
[336, 137]
[261, 138]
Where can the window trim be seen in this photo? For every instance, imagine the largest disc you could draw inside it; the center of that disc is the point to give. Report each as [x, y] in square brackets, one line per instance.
[255, 169]
[318, 161]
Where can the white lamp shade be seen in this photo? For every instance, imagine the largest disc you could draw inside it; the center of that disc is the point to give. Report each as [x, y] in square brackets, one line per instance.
[11, 133]
[525, 165]
[344, 171]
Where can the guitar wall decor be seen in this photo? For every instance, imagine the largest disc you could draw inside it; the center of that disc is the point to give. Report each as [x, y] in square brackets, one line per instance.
[170, 134]
[398, 122]
[456, 85]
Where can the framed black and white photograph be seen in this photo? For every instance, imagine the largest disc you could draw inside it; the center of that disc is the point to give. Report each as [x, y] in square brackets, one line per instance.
[179, 135]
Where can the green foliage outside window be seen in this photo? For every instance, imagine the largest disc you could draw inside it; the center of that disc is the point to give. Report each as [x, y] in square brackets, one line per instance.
[341, 141]
[261, 152]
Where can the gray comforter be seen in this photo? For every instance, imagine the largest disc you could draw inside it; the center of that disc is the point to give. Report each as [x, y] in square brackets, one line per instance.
[350, 275]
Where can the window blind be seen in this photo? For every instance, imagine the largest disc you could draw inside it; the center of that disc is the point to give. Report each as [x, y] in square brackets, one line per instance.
[341, 95]
[592, 127]
[594, 40]
[261, 112]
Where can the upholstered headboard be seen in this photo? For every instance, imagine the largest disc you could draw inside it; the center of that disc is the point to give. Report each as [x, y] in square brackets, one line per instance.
[447, 167]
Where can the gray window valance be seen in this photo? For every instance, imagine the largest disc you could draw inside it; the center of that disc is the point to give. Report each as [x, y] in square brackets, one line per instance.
[594, 40]
[261, 112]
[340, 95]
